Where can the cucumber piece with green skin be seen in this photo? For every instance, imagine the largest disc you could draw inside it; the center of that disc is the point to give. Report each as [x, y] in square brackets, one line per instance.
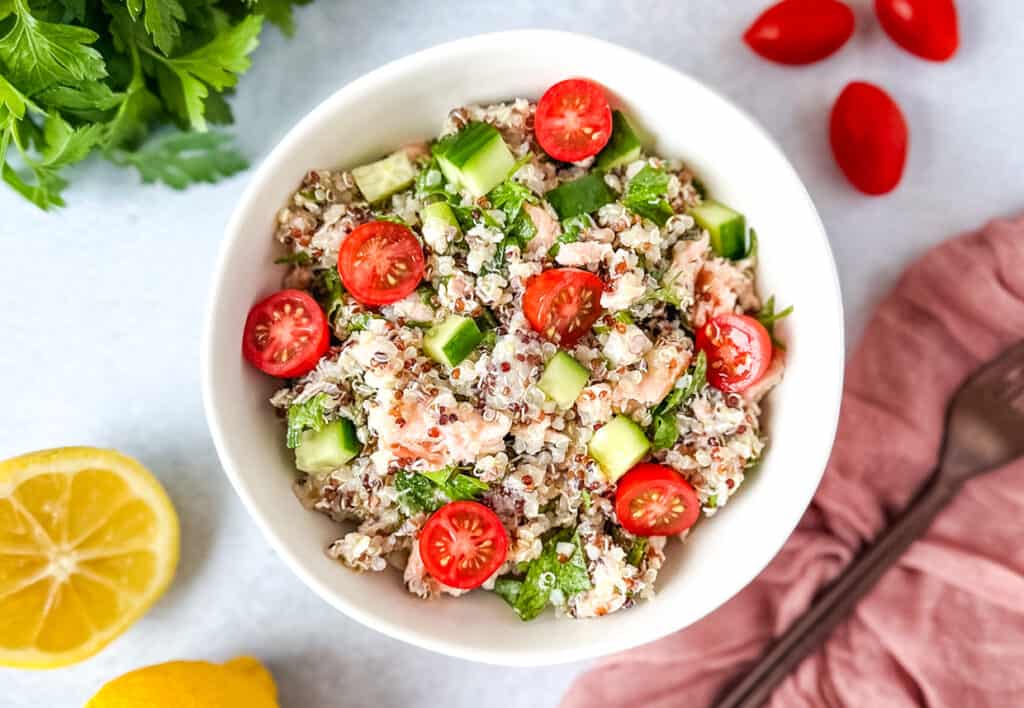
[622, 148]
[727, 228]
[439, 212]
[618, 446]
[379, 180]
[563, 379]
[327, 449]
[476, 158]
[453, 340]
[580, 196]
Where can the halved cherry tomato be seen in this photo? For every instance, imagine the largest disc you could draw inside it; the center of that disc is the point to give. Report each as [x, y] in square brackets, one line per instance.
[738, 349]
[462, 544]
[800, 31]
[654, 500]
[573, 120]
[869, 138]
[927, 28]
[286, 334]
[380, 262]
[563, 303]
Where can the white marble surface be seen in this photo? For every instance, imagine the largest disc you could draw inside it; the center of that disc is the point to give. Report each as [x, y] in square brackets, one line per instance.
[103, 302]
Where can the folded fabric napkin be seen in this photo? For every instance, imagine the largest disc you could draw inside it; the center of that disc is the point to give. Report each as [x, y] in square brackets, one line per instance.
[945, 626]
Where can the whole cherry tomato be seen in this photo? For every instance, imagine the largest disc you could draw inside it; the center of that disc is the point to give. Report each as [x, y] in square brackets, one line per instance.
[869, 138]
[927, 28]
[800, 31]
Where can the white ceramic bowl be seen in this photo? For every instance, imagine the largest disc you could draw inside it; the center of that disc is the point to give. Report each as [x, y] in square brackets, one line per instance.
[408, 100]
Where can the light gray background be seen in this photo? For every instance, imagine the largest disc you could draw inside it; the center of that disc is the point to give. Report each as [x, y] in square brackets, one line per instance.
[99, 334]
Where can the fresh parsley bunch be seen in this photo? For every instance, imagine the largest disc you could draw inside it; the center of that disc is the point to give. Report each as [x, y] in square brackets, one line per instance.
[84, 76]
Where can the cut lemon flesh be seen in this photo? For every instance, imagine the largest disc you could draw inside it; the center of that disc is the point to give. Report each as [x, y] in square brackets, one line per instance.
[88, 542]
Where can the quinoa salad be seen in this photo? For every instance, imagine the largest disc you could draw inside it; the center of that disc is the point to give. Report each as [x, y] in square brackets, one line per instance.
[519, 357]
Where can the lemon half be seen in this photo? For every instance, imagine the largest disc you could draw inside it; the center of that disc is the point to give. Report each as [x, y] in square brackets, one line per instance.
[239, 683]
[88, 542]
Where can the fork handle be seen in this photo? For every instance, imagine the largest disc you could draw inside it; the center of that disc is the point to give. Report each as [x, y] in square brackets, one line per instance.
[833, 604]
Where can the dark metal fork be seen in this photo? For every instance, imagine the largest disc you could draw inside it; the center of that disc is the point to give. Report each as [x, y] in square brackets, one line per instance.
[984, 431]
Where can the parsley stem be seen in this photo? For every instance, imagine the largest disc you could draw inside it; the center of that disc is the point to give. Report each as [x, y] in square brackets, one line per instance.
[22, 9]
[156, 55]
[137, 80]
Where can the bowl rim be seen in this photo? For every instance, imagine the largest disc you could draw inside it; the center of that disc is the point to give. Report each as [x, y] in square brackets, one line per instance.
[232, 231]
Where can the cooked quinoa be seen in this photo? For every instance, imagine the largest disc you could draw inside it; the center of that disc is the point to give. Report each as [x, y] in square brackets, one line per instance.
[487, 417]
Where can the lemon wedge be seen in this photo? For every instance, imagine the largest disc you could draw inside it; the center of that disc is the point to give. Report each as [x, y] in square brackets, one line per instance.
[240, 683]
[88, 542]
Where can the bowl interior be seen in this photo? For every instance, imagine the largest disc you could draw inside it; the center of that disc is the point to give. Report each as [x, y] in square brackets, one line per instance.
[408, 100]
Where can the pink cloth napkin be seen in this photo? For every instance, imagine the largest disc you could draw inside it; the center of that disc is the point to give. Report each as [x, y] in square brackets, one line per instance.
[945, 627]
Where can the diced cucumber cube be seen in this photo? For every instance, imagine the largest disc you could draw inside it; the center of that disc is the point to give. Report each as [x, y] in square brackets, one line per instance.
[327, 449]
[563, 379]
[476, 159]
[622, 148]
[452, 341]
[727, 228]
[618, 446]
[439, 213]
[581, 196]
[379, 180]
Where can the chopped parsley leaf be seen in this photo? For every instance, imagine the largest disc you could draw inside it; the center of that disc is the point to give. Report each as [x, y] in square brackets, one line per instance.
[305, 416]
[549, 572]
[587, 501]
[664, 431]
[299, 258]
[328, 291]
[508, 589]
[647, 195]
[637, 552]
[570, 232]
[416, 493]
[429, 491]
[698, 377]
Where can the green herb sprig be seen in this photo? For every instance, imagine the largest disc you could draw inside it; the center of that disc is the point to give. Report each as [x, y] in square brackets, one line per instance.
[137, 81]
[767, 316]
